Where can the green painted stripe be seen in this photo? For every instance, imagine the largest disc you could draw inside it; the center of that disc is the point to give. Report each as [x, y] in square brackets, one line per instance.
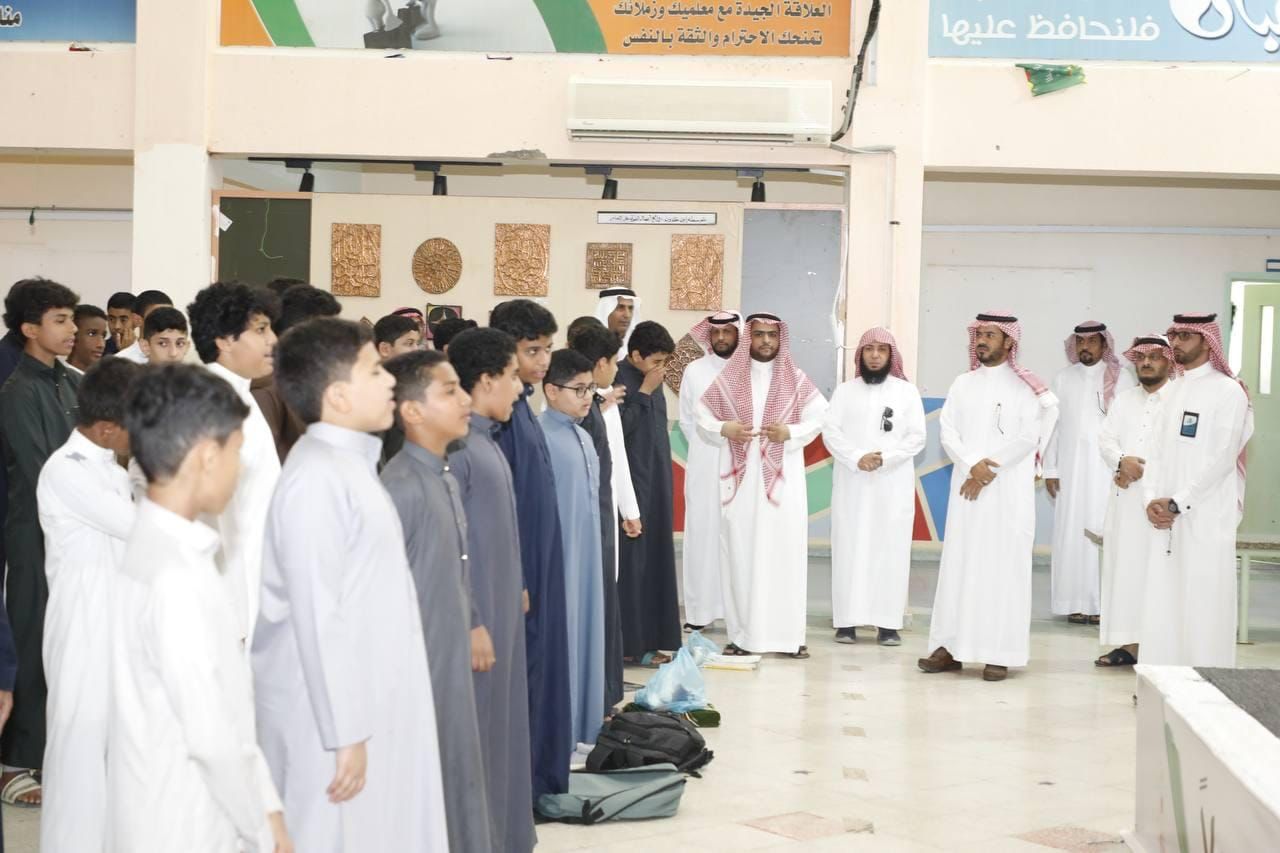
[572, 26]
[284, 23]
[819, 487]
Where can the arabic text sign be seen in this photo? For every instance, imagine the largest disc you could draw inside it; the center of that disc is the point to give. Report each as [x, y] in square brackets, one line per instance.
[67, 20]
[651, 27]
[623, 217]
[1151, 30]
[755, 27]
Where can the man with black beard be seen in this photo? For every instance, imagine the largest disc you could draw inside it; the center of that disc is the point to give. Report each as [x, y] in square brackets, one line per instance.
[874, 429]
[717, 334]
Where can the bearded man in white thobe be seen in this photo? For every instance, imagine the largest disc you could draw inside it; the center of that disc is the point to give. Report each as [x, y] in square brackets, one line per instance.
[717, 334]
[619, 310]
[874, 428]
[991, 424]
[1125, 444]
[762, 410]
[1195, 498]
[1074, 474]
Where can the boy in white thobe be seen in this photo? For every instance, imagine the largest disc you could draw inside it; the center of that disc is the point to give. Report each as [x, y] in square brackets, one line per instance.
[231, 329]
[1125, 444]
[991, 424]
[1195, 499]
[763, 410]
[185, 768]
[874, 428]
[1075, 476]
[700, 551]
[345, 710]
[86, 512]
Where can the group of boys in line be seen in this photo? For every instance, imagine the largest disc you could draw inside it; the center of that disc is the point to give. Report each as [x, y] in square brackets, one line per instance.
[339, 564]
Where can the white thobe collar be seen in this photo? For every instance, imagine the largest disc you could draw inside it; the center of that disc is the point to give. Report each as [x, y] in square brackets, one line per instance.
[80, 443]
[238, 382]
[360, 443]
[195, 536]
[1201, 371]
[1159, 393]
[762, 367]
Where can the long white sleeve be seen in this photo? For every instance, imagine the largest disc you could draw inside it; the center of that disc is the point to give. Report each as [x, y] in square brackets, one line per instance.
[1109, 437]
[810, 424]
[952, 443]
[189, 660]
[624, 490]
[102, 511]
[327, 634]
[834, 436]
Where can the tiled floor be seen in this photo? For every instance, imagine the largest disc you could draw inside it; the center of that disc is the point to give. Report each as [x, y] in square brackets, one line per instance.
[857, 750]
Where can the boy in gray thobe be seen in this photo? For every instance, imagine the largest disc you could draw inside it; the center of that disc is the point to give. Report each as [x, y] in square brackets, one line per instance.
[485, 360]
[433, 411]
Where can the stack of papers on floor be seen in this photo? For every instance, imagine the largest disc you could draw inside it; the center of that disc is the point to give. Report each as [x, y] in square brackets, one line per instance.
[741, 663]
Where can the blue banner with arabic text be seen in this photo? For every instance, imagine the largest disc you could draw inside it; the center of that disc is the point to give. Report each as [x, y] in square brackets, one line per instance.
[1140, 30]
[68, 20]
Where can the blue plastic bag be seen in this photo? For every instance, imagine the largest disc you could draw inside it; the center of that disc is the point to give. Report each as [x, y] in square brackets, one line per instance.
[700, 648]
[677, 687]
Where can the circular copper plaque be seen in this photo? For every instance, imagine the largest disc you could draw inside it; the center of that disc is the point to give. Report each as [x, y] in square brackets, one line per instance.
[437, 265]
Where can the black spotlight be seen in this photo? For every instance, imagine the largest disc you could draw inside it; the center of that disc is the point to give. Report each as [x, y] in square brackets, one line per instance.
[610, 189]
[439, 185]
[308, 183]
[757, 190]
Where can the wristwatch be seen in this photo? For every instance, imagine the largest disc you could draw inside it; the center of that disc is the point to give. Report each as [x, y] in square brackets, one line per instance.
[1174, 508]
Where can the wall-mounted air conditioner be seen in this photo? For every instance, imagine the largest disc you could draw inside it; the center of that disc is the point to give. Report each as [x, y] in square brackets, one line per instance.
[758, 112]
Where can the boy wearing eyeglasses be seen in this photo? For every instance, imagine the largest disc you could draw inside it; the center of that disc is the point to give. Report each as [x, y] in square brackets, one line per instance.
[569, 388]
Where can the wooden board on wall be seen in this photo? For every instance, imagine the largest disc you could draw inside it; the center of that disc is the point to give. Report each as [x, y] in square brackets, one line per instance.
[268, 238]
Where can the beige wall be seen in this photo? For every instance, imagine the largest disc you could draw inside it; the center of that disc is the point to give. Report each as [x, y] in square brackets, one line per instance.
[469, 222]
[1130, 256]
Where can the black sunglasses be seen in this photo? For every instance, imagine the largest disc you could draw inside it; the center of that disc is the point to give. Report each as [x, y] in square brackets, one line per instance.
[885, 423]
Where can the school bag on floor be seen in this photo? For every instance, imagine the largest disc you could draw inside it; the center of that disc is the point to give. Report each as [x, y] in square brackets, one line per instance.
[639, 738]
[636, 793]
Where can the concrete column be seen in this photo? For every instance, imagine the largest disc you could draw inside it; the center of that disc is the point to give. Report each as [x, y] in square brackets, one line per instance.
[886, 189]
[172, 172]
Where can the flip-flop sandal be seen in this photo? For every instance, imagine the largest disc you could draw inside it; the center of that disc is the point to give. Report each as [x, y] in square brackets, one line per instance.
[1078, 619]
[1116, 657]
[736, 651]
[803, 654]
[1095, 620]
[19, 786]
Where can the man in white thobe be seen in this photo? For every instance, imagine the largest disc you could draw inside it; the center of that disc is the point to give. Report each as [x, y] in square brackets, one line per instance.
[717, 334]
[991, 423]
[86, 513]
[619, 310]
[763, 410]
[874, 428]
[1125, 444]
[232, 333]
[1075, 476]
[1195, 500]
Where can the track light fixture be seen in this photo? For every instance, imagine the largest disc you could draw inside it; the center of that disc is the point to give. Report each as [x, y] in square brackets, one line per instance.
[610, 189]
[757, 191]
[308, 183]
[439, 185]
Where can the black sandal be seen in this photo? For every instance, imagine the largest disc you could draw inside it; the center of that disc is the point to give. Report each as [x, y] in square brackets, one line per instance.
[736, 651]
[1116, 657]
[1078, 619]
[803, 654]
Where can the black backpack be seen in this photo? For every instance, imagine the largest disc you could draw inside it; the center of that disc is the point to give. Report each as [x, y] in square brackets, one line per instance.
[639, 738]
